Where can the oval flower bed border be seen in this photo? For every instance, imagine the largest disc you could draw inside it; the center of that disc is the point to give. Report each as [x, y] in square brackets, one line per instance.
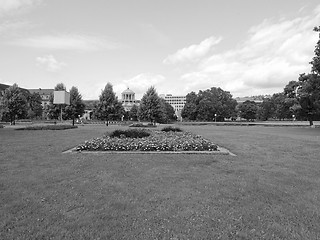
[158, 142]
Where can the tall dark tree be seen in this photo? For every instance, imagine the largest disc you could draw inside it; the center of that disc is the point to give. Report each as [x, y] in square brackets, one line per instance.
[150, 106]
[76, 107]
[108, 108]
[265, 110]
[189, 110]
[168, 113]
[133, 113]
[248, 110]
[15, 105]
[35, 105]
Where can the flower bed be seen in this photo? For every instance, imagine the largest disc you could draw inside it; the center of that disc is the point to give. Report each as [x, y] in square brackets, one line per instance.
[157, 141]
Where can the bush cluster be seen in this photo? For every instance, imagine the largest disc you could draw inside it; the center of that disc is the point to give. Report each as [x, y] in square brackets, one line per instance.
[130, 133]
[142, 125]
[157, 141]
[171, 129]
[48, 127]
[1, 126]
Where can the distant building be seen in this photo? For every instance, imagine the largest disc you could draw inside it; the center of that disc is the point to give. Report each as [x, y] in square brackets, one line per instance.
[177, 102]
[44, 94]
[256, 99]
[128, 99]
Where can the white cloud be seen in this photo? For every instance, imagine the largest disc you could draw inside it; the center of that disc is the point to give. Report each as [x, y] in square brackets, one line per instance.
[8, 6]
[50, 63]
[67, 42]
[193, 52]
[274, 53]
[12, 27]
[140, 84]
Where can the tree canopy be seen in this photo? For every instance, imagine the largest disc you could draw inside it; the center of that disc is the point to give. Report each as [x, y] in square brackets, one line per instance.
[150, 106]
[15, 104]
[209, 105]
[76, 107]
[108, 108]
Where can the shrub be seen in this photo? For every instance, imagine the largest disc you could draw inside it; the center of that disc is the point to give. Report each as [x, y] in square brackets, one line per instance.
[48, 127]
[1, 126]
[130, 133]
[149, 125]
[171, 129]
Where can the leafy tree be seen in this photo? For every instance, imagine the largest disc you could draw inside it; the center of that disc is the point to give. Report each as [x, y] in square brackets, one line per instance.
[133, 113]
[304, 94]
[189, 110]
[248, 110]
[35, 105]
[282, 106]
[265, 110]
[168, 113]
[15, 105]
[150, 106]
[108, 108]
[76, 107]
[206, 104]
[308, 95]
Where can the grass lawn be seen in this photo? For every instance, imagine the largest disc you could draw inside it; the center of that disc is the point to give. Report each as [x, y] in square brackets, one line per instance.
[270, 190]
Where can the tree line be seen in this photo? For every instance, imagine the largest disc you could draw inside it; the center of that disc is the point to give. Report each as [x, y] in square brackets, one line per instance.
[299, 100]
[17, 103]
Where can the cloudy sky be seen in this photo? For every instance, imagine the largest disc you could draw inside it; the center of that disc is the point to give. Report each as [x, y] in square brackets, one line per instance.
[247, 47]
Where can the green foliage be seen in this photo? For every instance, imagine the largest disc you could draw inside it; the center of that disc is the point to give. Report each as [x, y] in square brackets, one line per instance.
[130, 133]
[133, 114]
[204, 105]
[35, 106]
[76, 107]
[248, 110]
[171, 129]
[1, 126]
[150, 106]
[15, 104]
[168, 114]
[142, 125]
[190, 108]
[108, 108]
[48, 127]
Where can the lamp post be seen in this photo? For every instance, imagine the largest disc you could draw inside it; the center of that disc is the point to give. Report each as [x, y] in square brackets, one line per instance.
[215, 117]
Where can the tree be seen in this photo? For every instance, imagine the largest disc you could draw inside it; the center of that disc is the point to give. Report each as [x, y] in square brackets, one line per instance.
[35, 105]
[248, 110]
[14, 103]
[108, 108]
[307, 89]
[76, 107]
[308, 95]
[150, 106]
[168, 113]
[209, 105]
[189, 110]
[133, 113]
[265, 110]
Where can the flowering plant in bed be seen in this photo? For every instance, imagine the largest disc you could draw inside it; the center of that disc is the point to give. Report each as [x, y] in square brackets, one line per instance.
[156, 141]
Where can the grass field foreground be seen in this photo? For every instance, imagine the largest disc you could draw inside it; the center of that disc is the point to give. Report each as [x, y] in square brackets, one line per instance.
[270, 190]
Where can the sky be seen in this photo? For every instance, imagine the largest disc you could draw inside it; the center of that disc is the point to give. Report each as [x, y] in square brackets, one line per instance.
[247, 47]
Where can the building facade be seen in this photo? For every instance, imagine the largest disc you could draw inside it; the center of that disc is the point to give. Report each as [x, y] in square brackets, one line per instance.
[177, 102]
[128, 99]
